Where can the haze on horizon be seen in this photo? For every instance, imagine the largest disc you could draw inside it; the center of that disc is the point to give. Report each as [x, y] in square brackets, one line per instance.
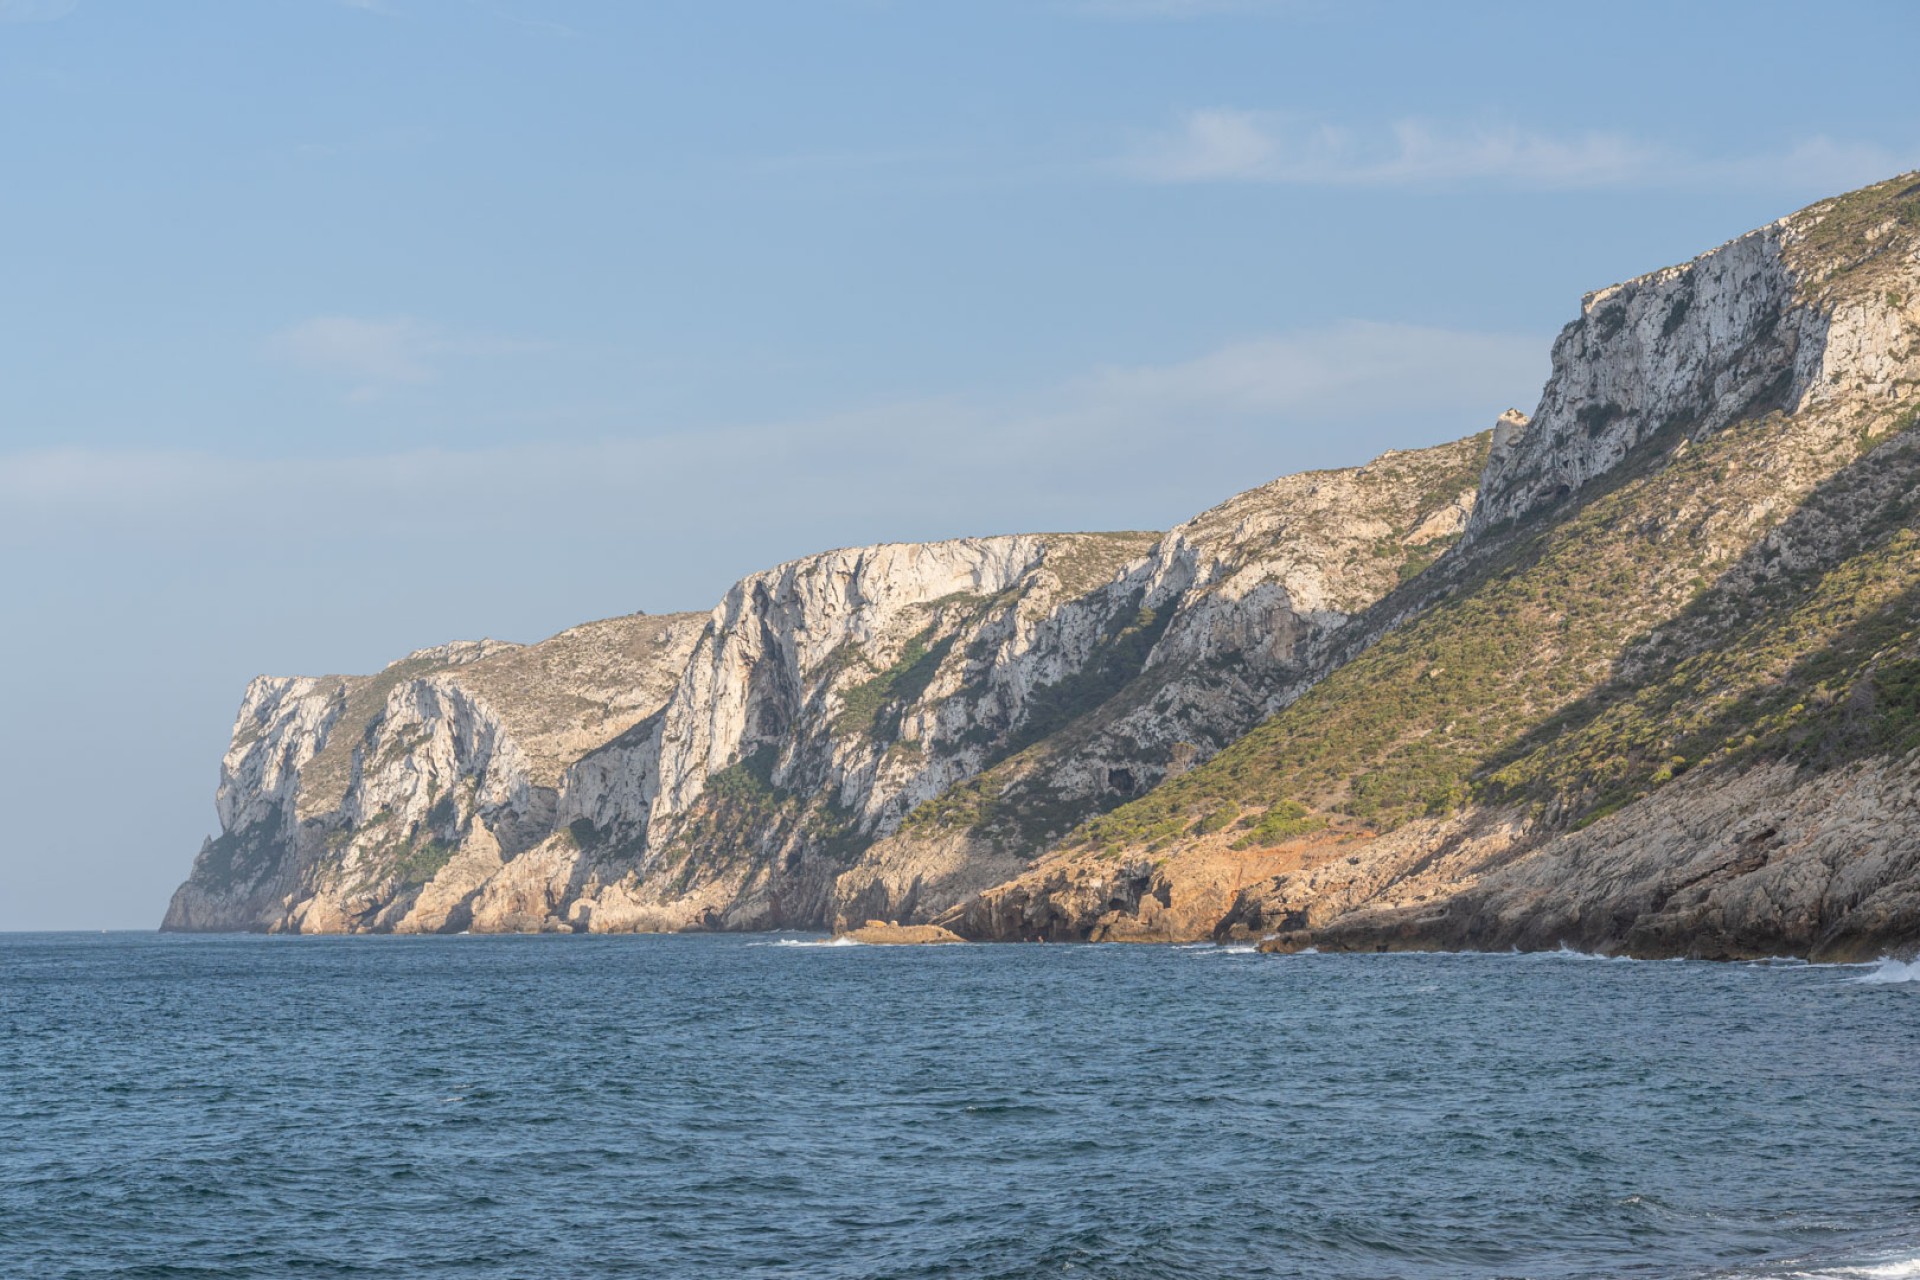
[339, 328]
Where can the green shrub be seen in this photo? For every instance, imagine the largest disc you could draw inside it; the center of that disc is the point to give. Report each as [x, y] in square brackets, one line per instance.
[1510, 689]
[1287, 820]
[875, 706]
[1219, 820]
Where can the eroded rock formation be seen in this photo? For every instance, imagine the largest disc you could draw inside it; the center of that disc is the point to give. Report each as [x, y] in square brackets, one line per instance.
[1637, 671]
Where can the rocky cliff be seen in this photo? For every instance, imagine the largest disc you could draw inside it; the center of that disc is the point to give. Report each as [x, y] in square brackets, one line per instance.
[1227, 619]
[1661, 698]
[384, 802]
[767, 757]
[1511, 690]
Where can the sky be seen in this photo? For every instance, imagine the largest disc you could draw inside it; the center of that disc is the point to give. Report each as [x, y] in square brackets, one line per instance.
[332, 329]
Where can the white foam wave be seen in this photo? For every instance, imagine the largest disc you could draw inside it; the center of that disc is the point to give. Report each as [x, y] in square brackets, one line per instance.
[1888, 970]
[1897, 1269]
[1565, 952]
[1885, 1268]
[807, 942]
[1904, 1269]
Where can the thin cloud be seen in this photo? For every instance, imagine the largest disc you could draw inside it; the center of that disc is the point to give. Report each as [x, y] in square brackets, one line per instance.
[1230, 145]
[1088, 452]
[1820, 162]
[836, 163]
[1353, 369]
[533, 24]
[1227, 145]
[36, 10]
[376, 354]
[1134, 10]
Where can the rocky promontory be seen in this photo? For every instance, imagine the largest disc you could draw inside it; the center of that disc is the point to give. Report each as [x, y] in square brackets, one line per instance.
[1636, 671]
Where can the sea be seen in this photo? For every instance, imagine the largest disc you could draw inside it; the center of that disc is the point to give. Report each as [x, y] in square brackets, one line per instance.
[781, 1106]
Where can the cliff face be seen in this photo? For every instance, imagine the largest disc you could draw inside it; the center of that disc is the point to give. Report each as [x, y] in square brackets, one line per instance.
[1686, 595]
[1696, 347]
[827, 698]
[383, 802]
[1504, 691]
[1228, 618]
[764, 761]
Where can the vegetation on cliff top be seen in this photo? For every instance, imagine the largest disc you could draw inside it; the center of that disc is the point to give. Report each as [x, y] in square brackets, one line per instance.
[1481, 694]
[1853, 243]
[1590, 660]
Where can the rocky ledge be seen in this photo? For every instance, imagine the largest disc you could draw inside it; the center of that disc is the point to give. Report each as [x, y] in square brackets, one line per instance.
[891, 933]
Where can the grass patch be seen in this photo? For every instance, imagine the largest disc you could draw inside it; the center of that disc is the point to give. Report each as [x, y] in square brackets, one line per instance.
[875, 706]
[1117, 658]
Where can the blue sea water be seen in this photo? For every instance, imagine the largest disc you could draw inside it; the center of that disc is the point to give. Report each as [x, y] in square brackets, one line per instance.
[731, 1106]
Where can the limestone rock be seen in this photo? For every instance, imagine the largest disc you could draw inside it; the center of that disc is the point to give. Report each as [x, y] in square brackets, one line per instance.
[1729, 446]
[889, 933]
[386, 802]
[915, 732]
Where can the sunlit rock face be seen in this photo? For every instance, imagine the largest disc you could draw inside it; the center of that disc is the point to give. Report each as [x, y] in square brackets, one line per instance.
[1661, 699]
[1113, 735]
[755, 766]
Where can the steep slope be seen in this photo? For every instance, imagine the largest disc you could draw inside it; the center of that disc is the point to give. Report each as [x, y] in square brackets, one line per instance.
[1639, 672]
[1686, 594]
[838, 696]
[827, 697]
[1230, 616]
[765, 759]
[357, 802]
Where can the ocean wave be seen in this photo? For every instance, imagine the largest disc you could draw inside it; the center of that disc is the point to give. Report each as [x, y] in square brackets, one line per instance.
[1894, 1269]
[1888, 970]
[808, 942]
[1565, 952]
[1903, 1269]
[1901, 1266]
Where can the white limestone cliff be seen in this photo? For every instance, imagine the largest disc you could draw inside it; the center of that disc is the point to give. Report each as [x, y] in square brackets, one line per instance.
[360, 802]
[1689, 348]
[839, 693]
[891, 731]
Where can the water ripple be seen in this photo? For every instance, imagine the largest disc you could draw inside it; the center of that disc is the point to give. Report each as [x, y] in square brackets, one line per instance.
[506, 1107]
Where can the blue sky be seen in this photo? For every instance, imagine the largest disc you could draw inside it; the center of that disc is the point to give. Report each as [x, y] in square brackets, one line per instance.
[335, 328]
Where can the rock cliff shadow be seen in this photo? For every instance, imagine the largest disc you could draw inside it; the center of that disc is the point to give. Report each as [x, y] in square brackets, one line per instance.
[1818, 707]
